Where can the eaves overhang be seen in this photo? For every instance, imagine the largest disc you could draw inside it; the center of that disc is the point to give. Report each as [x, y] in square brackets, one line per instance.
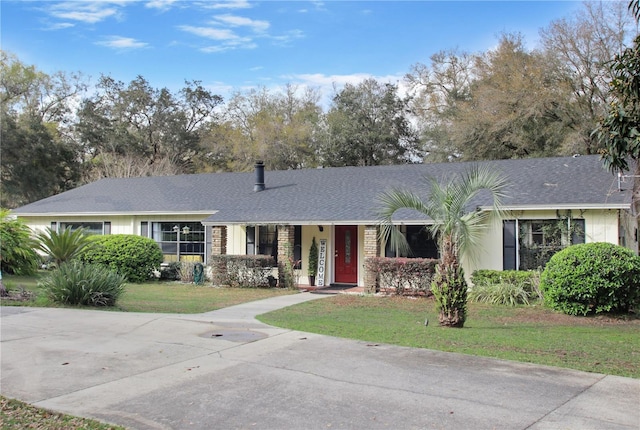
[114, 213]
[567, 206]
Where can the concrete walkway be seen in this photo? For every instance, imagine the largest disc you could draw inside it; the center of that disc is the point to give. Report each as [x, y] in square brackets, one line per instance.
[226, 370]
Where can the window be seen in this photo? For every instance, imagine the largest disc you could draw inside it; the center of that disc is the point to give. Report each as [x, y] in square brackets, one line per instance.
[263, 240]
[180, 241]
[90, 227]
[529, 244]
[420, 241]
[268, 240]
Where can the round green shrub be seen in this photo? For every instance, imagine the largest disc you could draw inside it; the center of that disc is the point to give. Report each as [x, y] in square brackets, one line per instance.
[134, 257]
[78, 283]
[592, 278]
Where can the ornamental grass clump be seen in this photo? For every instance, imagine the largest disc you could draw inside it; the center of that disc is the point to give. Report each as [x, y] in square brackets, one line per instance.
[78, 283]
[502, 293]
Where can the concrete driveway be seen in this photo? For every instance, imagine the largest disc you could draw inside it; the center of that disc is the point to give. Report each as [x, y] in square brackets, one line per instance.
[226, 370]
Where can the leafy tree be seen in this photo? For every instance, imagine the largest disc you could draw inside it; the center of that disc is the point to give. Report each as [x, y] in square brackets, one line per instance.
[17, 253]
[438, 89]
[619, 131]
[26, 90]
[65, 245]
[368, 124]
[583, 44]
[35, 162]
[279, 128]
[144, 123]
[511, 111]
[38, 157]
[457, 228]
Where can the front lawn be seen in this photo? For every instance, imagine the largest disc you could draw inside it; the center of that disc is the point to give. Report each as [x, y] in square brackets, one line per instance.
[161, 297]
[17, 415]
[526, 333]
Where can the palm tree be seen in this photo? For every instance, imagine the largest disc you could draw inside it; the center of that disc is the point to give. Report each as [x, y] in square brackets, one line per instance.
[457, 226]
[65, 245]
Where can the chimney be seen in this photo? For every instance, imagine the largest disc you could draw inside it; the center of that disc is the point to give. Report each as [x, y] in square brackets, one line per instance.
[259, 186]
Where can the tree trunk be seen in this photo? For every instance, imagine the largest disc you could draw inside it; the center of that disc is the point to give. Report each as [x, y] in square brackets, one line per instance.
[450, 288]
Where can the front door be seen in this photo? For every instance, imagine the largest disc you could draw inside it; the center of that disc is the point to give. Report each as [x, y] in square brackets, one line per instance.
[346, 254]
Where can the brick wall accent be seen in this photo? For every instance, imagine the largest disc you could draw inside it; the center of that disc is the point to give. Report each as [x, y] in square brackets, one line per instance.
[219, 240]
[286, 242]
[371, 249]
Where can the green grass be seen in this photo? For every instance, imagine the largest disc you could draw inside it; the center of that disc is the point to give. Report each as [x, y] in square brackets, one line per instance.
[18, 415]
[188, 299]
[523, 333]
[161, 297]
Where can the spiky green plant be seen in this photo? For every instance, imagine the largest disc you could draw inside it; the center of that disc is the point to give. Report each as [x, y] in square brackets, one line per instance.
[78, 283]
[503, 293]
[65, 245]
[458, 228]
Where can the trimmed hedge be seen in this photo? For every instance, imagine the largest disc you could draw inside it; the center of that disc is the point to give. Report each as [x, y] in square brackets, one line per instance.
[494, 277]
[134, 257]
[402, 275]
[244, 271]
[592, 278]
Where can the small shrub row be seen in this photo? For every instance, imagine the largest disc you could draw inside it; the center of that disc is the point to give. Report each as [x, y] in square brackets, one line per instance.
[527, 279]
[402, 275]
[506, 287]
[244, 271]
[502, 293]
[78, 283]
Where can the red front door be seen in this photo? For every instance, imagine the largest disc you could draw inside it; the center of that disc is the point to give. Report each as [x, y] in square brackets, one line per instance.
[346, 254]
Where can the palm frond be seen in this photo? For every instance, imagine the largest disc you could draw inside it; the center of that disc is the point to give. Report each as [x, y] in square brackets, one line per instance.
[448, 205]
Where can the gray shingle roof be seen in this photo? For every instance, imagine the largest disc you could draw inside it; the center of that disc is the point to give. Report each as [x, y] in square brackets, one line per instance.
[330, 195]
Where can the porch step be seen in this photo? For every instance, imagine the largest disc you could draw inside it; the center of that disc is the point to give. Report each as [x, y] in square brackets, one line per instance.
[334, 288]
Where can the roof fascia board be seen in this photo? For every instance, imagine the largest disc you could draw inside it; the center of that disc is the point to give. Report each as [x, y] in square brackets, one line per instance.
[592, 206]
[317, 222]
[88, 214]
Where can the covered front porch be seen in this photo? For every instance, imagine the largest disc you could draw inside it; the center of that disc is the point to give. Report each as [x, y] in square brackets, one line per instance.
[342, 249]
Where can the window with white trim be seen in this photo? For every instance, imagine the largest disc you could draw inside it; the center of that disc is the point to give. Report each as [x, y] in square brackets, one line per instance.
[179, 241]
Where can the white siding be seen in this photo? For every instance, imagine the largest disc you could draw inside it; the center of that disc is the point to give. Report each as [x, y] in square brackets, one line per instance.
[600, 226]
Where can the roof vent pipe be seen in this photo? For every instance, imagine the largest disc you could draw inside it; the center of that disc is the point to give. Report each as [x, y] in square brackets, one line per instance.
[259, 186]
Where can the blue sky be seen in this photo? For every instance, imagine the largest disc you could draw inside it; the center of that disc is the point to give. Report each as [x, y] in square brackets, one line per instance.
[238, 44]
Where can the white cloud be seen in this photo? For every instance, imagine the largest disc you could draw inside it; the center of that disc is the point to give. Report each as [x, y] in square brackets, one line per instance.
[288, 37]
[119, 42]
[163, 5]
[59, 26]
[231, 4]
[87, 12]
[240, 21]
[210, 32]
